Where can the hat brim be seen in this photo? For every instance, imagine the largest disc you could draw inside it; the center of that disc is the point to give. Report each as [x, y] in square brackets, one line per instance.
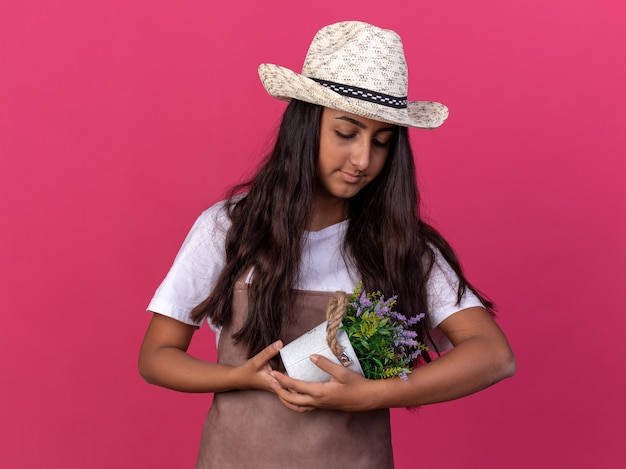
[284, 84]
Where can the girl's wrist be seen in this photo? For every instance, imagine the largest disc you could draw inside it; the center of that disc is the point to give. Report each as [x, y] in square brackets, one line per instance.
[386, 393]
[238, 378]
[374, 394]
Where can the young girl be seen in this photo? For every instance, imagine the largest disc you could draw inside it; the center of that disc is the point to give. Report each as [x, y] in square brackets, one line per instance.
[335, 203]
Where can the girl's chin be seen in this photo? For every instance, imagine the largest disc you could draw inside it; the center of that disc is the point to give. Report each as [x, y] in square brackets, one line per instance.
[342, 193]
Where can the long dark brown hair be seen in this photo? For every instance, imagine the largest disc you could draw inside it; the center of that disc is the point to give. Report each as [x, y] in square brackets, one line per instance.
[386, 240]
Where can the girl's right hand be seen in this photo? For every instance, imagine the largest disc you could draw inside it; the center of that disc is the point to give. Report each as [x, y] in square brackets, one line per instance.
[164, 361]
[256, 372]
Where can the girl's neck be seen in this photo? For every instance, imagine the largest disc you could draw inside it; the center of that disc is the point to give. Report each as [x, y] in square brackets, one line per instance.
[327, 211]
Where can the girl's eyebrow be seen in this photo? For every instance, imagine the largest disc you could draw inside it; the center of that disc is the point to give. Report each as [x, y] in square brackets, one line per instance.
[363, 126]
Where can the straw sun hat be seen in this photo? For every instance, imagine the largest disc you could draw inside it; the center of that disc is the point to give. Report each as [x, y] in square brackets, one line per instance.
[358, 68]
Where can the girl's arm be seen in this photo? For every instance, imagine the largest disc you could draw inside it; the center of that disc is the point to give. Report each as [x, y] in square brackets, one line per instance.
[164, 361]
[481, 357]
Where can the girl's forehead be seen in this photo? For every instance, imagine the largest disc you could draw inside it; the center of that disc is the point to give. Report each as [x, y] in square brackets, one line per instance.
[330, 115]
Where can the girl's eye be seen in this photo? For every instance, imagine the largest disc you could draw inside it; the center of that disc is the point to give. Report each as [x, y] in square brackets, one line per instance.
[375, 142]
[346, 136]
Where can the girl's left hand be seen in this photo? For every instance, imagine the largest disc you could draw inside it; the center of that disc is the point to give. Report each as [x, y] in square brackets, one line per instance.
[347, 390]
[481, 356]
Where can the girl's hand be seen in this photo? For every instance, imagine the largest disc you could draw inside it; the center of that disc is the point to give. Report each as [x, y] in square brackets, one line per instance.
[481, 357]
[256, 372]
[163, 360]
[346, 390]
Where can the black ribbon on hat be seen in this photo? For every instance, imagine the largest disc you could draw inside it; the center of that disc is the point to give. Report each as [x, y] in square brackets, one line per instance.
[365, 94]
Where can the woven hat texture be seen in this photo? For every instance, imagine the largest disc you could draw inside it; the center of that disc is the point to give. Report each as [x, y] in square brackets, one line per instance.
[358, 68]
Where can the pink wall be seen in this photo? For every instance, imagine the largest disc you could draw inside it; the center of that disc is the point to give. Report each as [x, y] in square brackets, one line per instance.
[121, 120]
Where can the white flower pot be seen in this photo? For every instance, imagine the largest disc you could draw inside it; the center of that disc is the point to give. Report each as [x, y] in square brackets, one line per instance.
[296, 355]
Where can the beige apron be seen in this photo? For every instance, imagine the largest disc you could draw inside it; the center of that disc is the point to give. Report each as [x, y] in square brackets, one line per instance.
[252, 429]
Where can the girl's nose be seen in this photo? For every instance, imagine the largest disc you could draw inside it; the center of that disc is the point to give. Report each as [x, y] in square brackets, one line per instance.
[360, 157]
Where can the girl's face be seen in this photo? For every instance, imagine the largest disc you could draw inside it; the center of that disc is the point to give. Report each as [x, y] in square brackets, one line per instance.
[353, 151]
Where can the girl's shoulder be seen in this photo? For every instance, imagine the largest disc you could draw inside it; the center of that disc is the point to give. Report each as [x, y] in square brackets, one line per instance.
[217, 216]
[209, 229]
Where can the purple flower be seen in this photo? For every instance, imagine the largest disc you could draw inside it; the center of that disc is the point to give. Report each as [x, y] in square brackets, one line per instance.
[383, 332]
[365, 301]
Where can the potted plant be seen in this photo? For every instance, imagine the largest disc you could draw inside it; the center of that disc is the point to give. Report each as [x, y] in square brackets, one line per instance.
[365, 333]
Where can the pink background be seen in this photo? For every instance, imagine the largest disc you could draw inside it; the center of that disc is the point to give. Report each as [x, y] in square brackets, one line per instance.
[121, 120]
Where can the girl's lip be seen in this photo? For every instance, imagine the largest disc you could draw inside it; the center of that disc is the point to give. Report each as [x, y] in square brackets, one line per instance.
[350, 177]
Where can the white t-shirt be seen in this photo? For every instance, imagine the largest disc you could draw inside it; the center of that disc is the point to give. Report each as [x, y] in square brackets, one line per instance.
[201, 258]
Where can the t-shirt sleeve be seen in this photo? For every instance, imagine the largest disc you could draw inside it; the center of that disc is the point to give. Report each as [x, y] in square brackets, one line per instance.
[196, 267]
[443, 285]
